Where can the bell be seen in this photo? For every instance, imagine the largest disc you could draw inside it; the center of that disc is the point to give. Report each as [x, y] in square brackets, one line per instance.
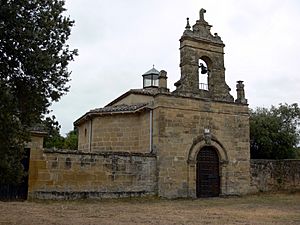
[203, 69]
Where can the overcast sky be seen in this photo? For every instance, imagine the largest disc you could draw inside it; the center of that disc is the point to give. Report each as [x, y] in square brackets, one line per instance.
[119, 40]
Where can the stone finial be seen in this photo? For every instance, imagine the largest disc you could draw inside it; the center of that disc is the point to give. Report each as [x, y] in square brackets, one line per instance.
[162, 81]
[201, 13]
[201, 29]
[240, 93]
[188, 26]
[217, 37]
[163, 74]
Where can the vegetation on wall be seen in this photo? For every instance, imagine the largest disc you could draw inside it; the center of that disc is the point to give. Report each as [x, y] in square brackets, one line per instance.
[34, 58]
[274, 132]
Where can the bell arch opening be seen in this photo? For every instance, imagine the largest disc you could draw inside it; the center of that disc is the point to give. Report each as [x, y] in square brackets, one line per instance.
[204, 64]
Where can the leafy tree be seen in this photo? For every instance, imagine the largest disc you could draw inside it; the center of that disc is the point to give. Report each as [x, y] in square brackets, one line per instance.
[53, 138]
[33, 72]
[274, 132]
[10, 152]
[297, 155]
[71, 141]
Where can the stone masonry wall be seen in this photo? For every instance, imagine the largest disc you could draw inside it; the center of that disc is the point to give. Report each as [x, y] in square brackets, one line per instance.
[179, 124]
[274, 175]
[118, 132]
[70, 174]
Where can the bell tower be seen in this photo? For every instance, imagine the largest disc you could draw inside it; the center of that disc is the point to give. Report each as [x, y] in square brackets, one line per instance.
[197, 45]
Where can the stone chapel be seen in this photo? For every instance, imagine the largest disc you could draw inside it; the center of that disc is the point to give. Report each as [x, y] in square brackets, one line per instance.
[198, 134]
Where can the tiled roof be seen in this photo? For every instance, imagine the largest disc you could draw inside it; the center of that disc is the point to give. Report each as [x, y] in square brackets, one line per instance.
[119, 108]
[146, 91]
[112, 109]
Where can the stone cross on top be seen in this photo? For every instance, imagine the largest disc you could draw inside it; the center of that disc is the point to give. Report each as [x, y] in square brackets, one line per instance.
[202, 11]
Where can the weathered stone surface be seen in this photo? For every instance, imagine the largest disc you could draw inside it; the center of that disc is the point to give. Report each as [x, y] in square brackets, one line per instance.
[117, 132]
[81, 175]
[179, 125]
[274, 175]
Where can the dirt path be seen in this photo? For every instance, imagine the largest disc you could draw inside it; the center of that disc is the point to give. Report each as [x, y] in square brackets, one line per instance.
[259, 209]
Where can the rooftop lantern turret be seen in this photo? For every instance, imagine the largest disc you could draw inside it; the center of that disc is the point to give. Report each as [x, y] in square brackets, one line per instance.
[150, 78]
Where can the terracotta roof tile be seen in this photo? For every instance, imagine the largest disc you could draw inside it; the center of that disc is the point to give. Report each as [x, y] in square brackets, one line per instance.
[111, 109]
[146, 91]
[119, 108]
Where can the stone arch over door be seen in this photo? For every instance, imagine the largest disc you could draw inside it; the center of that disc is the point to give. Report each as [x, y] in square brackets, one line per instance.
[198, 144]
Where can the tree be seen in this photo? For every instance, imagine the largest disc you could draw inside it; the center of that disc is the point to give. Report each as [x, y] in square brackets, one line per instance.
[297, 155]
[53, 138]
[71, 141]
[33, 72]
[274, 132]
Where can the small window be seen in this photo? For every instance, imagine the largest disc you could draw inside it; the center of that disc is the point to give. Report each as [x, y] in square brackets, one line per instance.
[150, 80]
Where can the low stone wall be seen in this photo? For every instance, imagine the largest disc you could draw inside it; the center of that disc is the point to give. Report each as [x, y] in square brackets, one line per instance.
[275, 175]
[64, 174]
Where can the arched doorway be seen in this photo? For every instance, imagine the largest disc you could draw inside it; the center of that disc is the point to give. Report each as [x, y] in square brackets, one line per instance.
[207, 175]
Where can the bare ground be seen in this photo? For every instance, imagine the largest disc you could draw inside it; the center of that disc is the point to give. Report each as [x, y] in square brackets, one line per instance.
[256, 209]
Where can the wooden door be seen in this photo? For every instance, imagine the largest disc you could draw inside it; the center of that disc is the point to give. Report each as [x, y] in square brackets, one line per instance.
[208, 178]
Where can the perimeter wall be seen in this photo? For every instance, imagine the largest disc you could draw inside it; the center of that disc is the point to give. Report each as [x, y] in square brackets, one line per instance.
[65, 174]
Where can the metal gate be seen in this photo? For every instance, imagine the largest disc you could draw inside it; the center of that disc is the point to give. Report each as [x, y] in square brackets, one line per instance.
[17, 191]
[208, 178]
